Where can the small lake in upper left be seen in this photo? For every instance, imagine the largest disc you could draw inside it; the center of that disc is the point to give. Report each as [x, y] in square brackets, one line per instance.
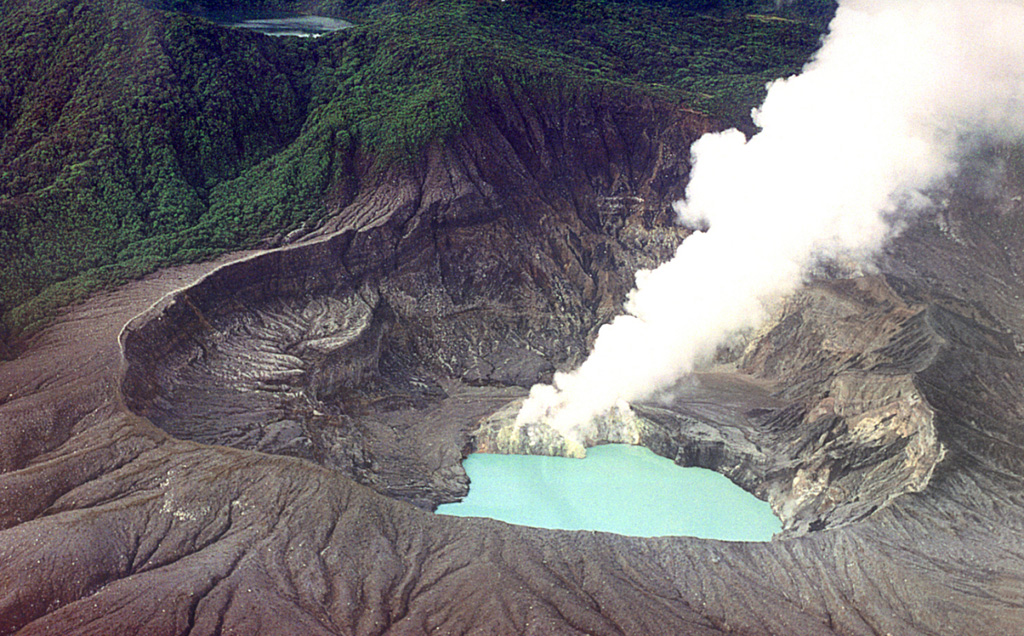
[304, 26]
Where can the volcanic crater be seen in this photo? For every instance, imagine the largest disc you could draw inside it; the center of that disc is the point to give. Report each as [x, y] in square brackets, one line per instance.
[877, 412]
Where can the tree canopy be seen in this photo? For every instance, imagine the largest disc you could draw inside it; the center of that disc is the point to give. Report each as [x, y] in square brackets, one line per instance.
[135, 136]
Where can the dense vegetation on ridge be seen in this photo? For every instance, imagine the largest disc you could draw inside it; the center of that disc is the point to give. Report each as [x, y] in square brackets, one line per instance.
[132, 138]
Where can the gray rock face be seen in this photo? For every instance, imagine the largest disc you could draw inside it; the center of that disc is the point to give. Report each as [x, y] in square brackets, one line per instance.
[323, 351]
[235, 447]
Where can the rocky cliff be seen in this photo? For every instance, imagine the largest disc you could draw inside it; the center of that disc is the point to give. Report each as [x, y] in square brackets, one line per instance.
[478, 269]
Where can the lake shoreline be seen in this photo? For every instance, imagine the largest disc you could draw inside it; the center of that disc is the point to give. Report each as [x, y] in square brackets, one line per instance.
[617, 488]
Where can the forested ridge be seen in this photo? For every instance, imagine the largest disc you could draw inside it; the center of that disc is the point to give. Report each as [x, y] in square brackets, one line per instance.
[133, 137]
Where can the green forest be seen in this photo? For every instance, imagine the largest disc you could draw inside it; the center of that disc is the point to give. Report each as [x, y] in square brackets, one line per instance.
[135, 135]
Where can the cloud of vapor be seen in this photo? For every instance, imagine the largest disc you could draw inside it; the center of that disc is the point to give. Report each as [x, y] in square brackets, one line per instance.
[879, 115]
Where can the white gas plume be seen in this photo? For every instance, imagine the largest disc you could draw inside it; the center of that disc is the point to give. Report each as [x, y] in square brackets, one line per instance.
[879, 115]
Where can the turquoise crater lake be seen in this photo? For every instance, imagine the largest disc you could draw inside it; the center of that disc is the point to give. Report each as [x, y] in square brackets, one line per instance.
[618, 488]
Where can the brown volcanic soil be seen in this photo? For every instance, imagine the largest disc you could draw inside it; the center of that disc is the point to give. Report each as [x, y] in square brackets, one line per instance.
[321, 395]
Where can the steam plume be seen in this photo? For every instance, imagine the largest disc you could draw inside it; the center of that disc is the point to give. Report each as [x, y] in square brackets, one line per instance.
[879, 115]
